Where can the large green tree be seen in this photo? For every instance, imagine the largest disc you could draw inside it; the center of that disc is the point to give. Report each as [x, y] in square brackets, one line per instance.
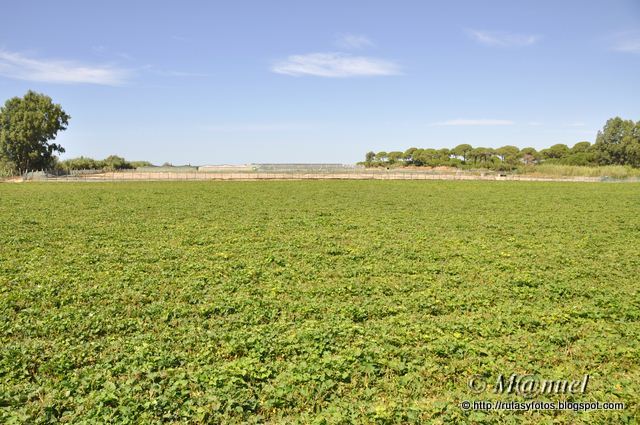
[619, 143]
[395, 156]
[557, 151]
[581, 147]
[529, 156]
[27, 125]
[462, 150]
[369, 157]
[507, 152]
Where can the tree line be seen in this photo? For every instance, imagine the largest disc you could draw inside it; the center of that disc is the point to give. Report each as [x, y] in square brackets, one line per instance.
[618, 143]
[110, 163]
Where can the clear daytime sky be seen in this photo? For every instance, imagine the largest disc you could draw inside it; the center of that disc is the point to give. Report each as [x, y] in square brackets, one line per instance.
[215, 82]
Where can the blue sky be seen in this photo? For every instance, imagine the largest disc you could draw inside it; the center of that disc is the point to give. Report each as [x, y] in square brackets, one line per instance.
[321, 81]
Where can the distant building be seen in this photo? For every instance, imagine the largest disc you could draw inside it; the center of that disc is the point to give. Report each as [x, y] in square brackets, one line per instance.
[305, 167]
[226, 168]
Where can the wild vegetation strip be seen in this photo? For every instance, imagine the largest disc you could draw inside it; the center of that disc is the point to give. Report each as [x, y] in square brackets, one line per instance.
[395, 174]
[314, 301]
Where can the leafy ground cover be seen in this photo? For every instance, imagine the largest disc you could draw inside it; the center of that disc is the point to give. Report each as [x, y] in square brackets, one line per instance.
[313, 301]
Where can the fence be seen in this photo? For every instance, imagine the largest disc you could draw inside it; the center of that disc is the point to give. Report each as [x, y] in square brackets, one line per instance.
[346, 174]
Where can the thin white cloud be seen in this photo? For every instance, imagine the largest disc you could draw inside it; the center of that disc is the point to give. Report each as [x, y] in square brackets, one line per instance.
[17, 66]
[476, 122]
[503, 39]
[335, 65]
[353, 41]
[628, 42]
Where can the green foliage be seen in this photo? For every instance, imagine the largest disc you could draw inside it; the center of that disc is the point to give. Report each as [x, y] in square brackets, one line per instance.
[507, 153]
[111, 163]
[581, 147]
[395, 157]
[313, 302]
[619, 143]
[7, 168]
[529, 156]
[140, 164]
[27, 125]
[558, 151]
[463, 151]
[114, 162]
[561, 170]
[81, 163]
[369, 158]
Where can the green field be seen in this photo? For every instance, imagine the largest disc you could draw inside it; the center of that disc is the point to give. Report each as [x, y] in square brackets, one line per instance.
[314, 301]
